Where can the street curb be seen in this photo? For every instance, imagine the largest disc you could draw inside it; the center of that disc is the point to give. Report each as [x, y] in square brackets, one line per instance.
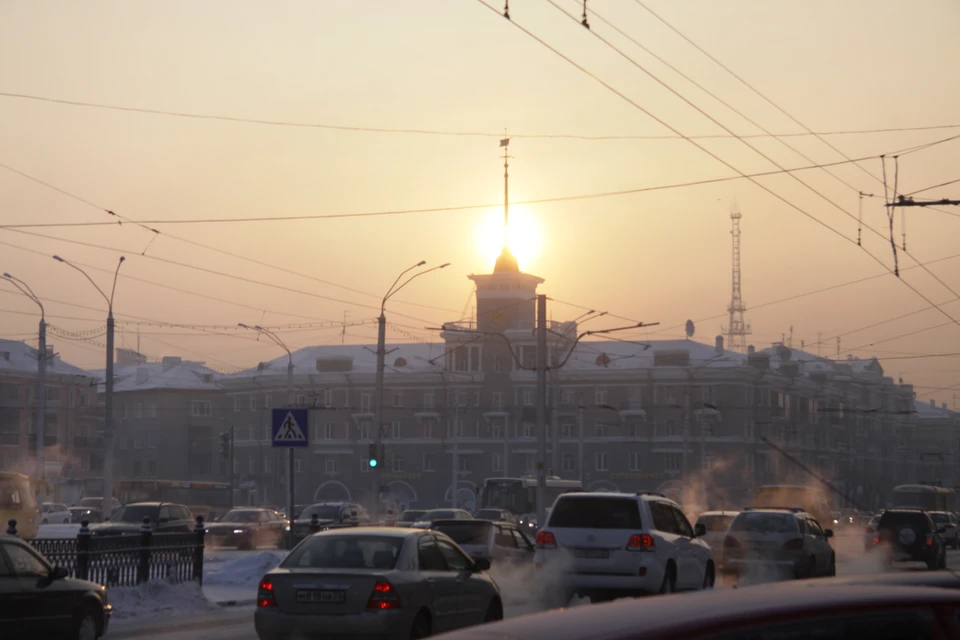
[236, 603]
[159, 627]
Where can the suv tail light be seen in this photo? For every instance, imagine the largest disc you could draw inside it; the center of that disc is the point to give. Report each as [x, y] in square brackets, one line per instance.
[876, 540]
[546, 540]
[730, 542]
[794, 544]
[929, 539]
[265, 596]
[641, 542]
[384, 596]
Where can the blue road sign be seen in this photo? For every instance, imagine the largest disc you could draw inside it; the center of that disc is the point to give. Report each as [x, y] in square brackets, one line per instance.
[290, 428]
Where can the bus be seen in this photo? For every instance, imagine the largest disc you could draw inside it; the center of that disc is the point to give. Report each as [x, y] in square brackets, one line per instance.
[519, 495]
[207, 499]
[18, 502]
[924, 496]
[810, 499]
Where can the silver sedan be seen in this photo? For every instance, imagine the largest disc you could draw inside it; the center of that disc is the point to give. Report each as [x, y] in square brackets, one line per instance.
[375, 582]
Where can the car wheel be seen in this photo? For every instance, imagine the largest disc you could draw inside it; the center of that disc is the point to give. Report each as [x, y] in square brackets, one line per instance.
[44, 521]
[806, 571]
[710, 577]
[86, 628]
[421, 626]
[669, 580]
[832, 569]
[494, 612]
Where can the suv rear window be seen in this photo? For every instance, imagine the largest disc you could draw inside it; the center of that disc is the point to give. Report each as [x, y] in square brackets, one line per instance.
[465, 531]
[761, 522]
[940, 518]
[893, 519]
[716, 524]
[595, 513]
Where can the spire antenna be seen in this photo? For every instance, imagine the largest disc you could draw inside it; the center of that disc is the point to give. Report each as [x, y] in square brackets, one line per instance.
[505, 144]
[738, 329]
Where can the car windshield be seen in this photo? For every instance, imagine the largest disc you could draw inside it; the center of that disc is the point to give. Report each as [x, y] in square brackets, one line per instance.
[759, 522]
[135, 513]
[410, 515]
[716, 524]
[596, 513]
[466, 532]
[322, 511]
[489, 514]
[438, 514]
[940, 517]
[91, 502]
[345, 552]
[238, 515]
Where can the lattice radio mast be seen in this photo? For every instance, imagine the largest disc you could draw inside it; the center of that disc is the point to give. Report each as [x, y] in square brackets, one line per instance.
[737, 330]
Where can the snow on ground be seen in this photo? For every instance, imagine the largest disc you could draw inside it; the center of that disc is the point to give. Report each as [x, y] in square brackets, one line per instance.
[58, 530]
[158, 598]
[244, 571]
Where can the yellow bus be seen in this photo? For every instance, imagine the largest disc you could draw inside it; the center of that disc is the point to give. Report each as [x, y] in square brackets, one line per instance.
[207, 499]
[18, 502]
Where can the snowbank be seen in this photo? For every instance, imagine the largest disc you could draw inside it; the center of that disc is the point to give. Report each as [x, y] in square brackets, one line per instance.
[58, 530]
[244, 571]
[158, 598]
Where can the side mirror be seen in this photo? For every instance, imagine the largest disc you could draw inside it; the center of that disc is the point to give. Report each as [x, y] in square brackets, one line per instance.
[828, 533]
[481, 564]
[699, 530]
[59, 573]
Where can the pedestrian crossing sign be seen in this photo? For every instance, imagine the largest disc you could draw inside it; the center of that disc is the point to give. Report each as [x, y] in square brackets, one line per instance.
[290, 427]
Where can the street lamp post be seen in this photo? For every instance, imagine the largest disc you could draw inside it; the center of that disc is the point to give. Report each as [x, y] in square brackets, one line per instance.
[107, 507]
[378, 390]
[290, 400]
[41, 377]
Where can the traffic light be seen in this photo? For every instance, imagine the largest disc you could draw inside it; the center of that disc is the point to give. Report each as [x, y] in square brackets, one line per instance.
[225, 445]
[374, 459]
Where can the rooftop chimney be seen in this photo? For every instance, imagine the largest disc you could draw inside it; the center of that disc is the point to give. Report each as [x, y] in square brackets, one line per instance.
[719, 346]
[751, 349]
[933, 403]
[943, 406]
[169, 362]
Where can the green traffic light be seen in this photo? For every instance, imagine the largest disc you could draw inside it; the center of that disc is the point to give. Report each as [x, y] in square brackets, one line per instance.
[373, 463]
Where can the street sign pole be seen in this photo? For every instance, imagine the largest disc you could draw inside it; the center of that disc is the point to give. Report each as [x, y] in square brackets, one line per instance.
[290, 429]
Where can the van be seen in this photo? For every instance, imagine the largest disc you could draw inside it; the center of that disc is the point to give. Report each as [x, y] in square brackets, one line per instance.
[18, 502]
[810, 499]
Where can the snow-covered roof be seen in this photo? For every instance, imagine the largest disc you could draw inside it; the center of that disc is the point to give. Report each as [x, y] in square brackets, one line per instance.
[19, 357]
[926, 411]
[641, 354]
[401, 358]
[170, 373]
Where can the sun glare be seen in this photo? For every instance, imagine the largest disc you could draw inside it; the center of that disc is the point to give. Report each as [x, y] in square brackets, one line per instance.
[523, 238]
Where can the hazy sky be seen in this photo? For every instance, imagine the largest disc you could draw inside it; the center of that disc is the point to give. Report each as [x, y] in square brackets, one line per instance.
[661, 256]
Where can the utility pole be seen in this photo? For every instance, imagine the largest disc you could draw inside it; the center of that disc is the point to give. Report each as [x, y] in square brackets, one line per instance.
[233, 440]
[580, 427]
[107, 507]
[555, 414]
[541, 407]
[454, 486]
[41, 419]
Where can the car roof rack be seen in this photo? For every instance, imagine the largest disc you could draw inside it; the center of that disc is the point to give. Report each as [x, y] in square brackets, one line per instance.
[790, 509]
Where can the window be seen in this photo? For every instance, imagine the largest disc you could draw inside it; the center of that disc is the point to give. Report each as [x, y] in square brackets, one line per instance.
[568, 397]
[138, 411]
[199, 409]
[569, 463]
[151, 468]
[496, 462]
[601, 397]
[671, 462]
[253, 402]
[683, 525]
[136, 441]
[454, 558]
[236, 403]
[636, 461]
[463, 464]
[528, 397]
[252, 465]
[528, 463]
[266, 400]
[364, 428]
[265, 433]
[567, 429]
[298, 466]
[397, 398]
[709, 462]
[429, 462]
[496, 429]
[364, 465]
[330, 466]
[398, 464]
[25, 563]
[366, 403]
[123, 411]
[429, 557]
[670, 427]
[429, 427]
[498, 399]
[151, 410]
[428, 400]
[596, 513]
[396, 428]
[267, 465]
[476, 398]
[136, 468]
[601, 461]
[327, 431]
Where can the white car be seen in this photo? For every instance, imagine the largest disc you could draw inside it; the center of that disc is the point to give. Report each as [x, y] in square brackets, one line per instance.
[54, 513]
[778, 543]
[608, 545]
[716, 523]
[947, 524]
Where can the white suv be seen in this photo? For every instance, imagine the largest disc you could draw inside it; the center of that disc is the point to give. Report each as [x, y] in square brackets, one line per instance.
[608, 545]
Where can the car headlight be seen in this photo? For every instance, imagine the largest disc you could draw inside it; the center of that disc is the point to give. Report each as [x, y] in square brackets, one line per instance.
[287, 527]
[239, 531]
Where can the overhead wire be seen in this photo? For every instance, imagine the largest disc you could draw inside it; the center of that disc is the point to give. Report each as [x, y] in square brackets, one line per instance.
[935, 186]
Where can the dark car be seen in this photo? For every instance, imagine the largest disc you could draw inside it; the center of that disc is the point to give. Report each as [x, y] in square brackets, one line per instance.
[500, 543]
[910, 535]
[165, 517]
[409, 516]
[247, 528]
[38, 600]
[328, 515]
[79, 514]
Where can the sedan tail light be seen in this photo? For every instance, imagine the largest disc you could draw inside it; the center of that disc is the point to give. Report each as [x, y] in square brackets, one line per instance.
[546, 540]
[868, 530]
[641, 542]
[794, 544]
[730, 542]
[384, 596]
[265, 597]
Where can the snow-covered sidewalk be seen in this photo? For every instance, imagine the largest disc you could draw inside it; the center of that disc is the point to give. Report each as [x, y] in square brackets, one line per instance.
[234, 582]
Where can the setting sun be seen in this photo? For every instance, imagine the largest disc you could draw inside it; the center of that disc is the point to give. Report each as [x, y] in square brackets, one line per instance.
[524, 236]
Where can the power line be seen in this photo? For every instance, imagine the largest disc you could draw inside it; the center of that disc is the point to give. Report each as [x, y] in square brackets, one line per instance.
[936, 186]
[397, 212]
[431, 132]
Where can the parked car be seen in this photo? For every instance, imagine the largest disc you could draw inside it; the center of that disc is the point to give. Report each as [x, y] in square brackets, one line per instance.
[795, 610]
[410, 516]
[608, 545]
[165, 517]
[497, 515]
[778, 543]
[329, 514]
[54, 513]
[426, 520]
[247, 529]
[716, 524]
[947, 524]
[39, 600]
[496, 542]
[870, 532]
[375, 582]
[906, 535]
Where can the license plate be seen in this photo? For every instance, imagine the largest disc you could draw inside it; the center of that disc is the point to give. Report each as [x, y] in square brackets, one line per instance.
[317, 596]
[594, 554]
